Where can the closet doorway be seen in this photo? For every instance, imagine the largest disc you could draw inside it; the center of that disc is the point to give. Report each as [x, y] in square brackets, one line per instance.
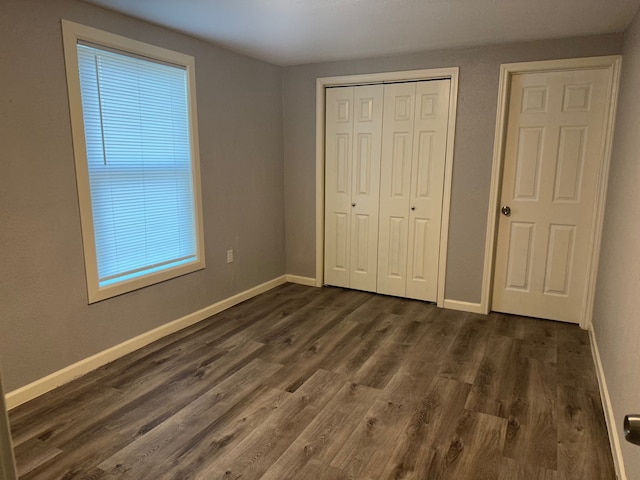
[384, 163]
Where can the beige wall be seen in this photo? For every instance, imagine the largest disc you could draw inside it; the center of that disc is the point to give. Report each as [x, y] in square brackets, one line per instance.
[479, 73]
[45, 322]
[616, 321]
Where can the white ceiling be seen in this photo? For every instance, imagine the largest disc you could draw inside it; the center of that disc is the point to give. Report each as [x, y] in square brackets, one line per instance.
[290, 32]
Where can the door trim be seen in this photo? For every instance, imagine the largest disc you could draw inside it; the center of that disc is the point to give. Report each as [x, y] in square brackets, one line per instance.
[612, 63]
[389, 77]
[7, 461]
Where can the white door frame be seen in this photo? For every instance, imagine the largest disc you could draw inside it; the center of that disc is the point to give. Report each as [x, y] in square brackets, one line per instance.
[7, 462]
[611, 63]
[389, 77]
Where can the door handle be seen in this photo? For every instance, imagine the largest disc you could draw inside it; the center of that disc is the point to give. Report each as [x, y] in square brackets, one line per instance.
[506, 210]
[632, 429]
[353, 204]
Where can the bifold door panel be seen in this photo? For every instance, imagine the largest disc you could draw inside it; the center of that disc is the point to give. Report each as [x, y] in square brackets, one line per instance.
[411, 185]
[384, 175]
[352, 183]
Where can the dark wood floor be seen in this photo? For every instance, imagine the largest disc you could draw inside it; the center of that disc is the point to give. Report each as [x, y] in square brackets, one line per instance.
[329, 384]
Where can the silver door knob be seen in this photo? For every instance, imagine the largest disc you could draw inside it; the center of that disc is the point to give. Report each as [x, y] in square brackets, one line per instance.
[353, 204]
[506, 210]
[632, 428]
[413, 208]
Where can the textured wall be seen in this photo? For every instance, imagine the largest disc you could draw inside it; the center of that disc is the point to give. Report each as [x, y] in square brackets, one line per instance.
[477, 101]
[45, 321]
[616, 320]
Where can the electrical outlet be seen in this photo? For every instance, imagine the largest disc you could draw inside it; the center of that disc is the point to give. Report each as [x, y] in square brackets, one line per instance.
[230, 256]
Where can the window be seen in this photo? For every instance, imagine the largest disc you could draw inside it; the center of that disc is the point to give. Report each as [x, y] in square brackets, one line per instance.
[135, 143]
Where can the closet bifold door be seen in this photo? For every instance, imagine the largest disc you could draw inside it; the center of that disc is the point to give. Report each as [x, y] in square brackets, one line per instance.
[414, 142]
[353, 136]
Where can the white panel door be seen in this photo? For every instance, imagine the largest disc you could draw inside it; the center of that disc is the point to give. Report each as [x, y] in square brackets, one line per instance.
[427, 185]
[412, 180]
[395, 187]
[338, 153]
[553, 153]
[352, 180]
[365, 186]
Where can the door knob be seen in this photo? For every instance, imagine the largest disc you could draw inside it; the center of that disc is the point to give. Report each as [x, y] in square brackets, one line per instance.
[632, 429]
[353, 204]
[506, 210]
[413, 208]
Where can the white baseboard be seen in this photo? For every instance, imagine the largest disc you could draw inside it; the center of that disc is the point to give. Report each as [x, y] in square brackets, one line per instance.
[609, 416]
[310, 282]
[464, 306]
[55, 379]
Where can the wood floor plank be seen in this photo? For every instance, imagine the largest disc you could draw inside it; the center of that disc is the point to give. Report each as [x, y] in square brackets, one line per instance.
[330, 384]
[532, 423]
[508, 325]
[475, 451]
[411, 382]
[38, 453]
[582, 437]
[245, 331]
[366, 452]
[465, 354]
[143, 414]
[512, 470]
[62, 415]
[577, 370]
[438, 337]
[262, 447]
[541, 339]
[302, 335]
[79, 456]
[224, 434]
[327, 434]
[300, 365]
[499, 371]
[183, 384]
[176, 435]
[309, 315]
[354, 349]
[575, 363]
[144, 405]
[376, 304]
[385, 330]
[385, 360]
[572, 339]
[320, 471]
[430, 425]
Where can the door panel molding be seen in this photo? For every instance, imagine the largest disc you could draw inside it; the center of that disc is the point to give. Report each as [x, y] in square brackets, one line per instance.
[322, 84]
[537, 100]
[352, 184]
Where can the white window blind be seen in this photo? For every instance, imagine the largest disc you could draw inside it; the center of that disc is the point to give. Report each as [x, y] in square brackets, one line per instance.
[136, 124]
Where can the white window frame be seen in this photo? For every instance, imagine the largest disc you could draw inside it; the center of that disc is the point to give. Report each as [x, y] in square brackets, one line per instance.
[73, 33]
